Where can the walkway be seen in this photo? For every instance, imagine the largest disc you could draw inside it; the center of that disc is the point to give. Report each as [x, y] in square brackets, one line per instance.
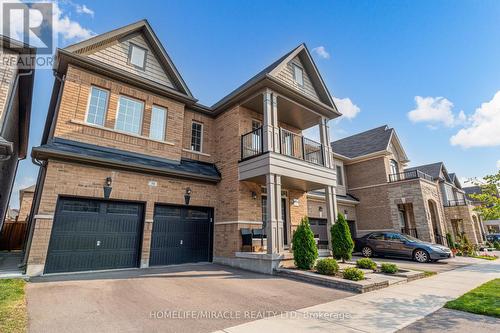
[387, 310]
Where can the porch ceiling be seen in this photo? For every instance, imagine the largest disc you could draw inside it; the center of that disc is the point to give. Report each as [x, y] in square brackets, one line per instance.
[289, 183]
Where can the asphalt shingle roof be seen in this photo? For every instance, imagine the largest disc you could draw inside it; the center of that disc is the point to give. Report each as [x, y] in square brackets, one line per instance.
[364, 143]
[433, 170]
[184, 167]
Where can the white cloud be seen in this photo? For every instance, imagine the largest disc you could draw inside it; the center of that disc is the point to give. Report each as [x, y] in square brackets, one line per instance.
[82, 9]
[435, 110]
[348, 109]
[484, 127]
[63, 26]
[321, 52]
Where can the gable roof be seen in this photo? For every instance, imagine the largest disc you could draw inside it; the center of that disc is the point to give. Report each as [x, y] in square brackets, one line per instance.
[157, 47]
[303, 53]
[364, 143]
[433, 169]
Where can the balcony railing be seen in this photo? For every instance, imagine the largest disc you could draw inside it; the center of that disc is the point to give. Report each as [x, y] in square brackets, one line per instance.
[252, 144]
[407, 175]
[290, 144]
[459, 202]
[409, 231]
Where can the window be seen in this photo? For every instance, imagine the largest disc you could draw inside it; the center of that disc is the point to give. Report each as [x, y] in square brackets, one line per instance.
[137, 56]
[298, 75]
[196, 136]
[394, 167]
[340, 176]
[158, 123]
[129, 117]
[377, 236]
[98, 103]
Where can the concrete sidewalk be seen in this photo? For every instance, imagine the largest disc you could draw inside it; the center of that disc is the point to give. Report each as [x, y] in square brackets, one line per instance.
[387, 310]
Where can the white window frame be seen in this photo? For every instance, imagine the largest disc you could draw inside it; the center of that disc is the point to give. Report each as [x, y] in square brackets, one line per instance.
[118, 114]
[295, 76]
[201, 136]
[165, 111]
[105, 108]
[341, 177]
[130, 50]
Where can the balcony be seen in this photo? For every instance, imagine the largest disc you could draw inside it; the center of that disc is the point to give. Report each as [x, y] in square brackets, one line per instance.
[454, 203]
[408, 175]
[290, 144]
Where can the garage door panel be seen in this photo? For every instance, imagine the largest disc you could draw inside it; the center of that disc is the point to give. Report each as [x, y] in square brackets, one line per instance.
[180, 235]
[91, 235]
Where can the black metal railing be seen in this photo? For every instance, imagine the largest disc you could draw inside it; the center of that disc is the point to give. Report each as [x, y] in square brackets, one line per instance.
[252, 143]
[409, 231]
[297, 146]
[440, 239]
[453, 203]
[407, 175]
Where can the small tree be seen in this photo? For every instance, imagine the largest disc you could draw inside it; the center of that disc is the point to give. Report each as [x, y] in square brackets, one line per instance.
[489, 198]
[304, 247]
[342, 243]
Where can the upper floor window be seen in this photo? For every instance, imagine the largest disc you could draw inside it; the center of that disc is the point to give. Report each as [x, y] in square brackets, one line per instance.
[96, 113]
[340, 175]
[129, 118]
[158, 123]
[298, 75]
[394, 167]
[196, 136]
[137, 56]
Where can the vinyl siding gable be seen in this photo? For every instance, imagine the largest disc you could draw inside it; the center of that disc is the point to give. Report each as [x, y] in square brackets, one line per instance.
[285, 74]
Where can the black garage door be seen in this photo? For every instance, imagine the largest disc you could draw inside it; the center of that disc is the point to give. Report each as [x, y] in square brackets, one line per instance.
[320, 230]
[93, 235]
[181, 235]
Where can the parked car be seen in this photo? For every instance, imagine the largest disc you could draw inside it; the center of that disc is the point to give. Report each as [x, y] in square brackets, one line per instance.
[493, 238]
[400, 245]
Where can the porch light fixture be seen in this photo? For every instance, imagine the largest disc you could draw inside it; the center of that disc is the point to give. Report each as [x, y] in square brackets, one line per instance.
[254, 195]
[107, 187]
[320, 209]
[187, 195]
[345, 213]
[295, 202]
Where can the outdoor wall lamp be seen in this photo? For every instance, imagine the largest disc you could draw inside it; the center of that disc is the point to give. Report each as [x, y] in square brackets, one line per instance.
[320, 209]
[187, 195]
[295, 202]
[254, 195]
[345, 213]
[107, 187]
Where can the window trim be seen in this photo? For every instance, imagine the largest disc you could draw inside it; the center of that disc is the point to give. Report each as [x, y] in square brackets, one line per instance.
[337, 167]
[129, 58]
[105, 109]
[295, 66]
[201, 137]
[165, 122]
[118, 113]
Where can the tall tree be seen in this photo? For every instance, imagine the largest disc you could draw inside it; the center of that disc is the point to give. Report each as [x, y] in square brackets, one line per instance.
[342, 243]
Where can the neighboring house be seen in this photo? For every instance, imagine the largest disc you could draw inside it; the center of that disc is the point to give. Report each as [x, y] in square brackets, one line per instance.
[485, 226]
[135, 173]
[25, 203]
[16, 89]
[459, 213]
[11, 215]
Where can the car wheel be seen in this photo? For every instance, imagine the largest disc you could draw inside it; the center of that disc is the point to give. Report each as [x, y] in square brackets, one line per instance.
[367, 251]
[421, 256]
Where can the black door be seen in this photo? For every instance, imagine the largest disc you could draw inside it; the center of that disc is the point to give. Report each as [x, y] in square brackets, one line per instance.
[285, 223]
[320, 230]
[352, 228]
[181, 235]
[93, 235]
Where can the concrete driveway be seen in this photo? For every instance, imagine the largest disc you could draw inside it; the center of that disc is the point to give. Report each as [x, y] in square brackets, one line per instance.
[142, 300]
[438, 267]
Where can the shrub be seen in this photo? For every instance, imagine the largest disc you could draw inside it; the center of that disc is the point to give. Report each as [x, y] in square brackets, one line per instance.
[304, 247]
[496, 245]
[342, 243]
[327, 266]
[449, 240]
[366, 263]
[353, 273]
[389, 268]
[465, 246]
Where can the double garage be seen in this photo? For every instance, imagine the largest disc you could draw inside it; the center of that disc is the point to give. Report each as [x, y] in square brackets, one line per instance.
[90, 234]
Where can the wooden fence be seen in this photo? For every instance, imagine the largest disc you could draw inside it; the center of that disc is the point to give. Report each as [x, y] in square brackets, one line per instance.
[12, 236]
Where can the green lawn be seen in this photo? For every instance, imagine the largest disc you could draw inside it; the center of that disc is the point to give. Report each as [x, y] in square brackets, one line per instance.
[484, 300]
[13, 317]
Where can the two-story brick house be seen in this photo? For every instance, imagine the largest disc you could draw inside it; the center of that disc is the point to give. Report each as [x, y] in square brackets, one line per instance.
[134, 172]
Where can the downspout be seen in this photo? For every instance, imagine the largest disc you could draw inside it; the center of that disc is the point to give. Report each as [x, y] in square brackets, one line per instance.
[40, 182]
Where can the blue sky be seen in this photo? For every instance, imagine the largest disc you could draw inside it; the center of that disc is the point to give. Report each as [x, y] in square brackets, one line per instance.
[413, 65]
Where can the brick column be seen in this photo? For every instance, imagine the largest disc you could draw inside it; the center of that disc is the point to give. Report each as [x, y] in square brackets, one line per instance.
[146, 235]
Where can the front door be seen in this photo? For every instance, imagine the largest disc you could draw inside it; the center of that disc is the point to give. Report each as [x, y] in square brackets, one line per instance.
[285, 223]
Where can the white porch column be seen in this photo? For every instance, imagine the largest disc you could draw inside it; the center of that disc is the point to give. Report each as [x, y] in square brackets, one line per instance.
[331, 210]
[271, 223]
[276, 128]
[325, 141]
[268, 123]
[280, 232]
